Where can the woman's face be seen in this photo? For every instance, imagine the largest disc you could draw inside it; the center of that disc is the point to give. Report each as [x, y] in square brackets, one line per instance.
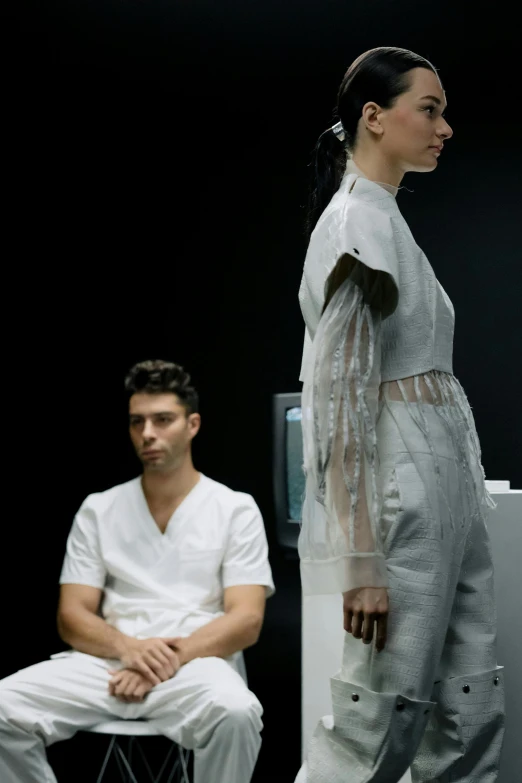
[414, 129]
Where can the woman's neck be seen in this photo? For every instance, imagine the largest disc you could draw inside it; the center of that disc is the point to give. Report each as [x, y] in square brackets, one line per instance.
[377, 171]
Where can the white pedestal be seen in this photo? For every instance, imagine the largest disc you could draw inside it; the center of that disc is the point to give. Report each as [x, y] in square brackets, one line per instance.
[322, 635]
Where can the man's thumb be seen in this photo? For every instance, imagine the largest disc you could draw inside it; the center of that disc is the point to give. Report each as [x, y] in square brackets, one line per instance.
[173, 642]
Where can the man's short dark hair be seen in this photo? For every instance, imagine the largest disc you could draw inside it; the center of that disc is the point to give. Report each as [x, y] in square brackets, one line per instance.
[160, 377]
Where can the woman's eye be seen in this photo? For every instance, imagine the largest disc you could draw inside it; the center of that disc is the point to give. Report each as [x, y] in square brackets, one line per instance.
[430, 109]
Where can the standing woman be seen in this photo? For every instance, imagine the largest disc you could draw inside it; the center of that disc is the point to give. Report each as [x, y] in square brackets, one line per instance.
[395, 506]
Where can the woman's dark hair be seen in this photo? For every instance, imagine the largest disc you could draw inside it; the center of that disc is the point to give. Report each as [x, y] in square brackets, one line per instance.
[159, 377]
[378, 75]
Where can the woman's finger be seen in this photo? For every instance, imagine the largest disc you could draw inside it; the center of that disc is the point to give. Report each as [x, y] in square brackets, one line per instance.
[381, 632]
[357, 624]
[367, 631]
[348, 616]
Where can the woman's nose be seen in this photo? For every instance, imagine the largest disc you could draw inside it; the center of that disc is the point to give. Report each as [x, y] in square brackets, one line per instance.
[445, 131]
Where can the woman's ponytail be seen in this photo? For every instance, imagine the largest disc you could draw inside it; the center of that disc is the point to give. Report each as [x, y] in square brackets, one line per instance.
[329, 163]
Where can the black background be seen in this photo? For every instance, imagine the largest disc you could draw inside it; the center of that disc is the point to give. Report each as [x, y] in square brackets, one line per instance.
[159, 172]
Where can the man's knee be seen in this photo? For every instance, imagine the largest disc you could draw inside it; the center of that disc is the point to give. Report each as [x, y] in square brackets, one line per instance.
[17, 711]
[238, 707]
[8, 699]
[11, 712]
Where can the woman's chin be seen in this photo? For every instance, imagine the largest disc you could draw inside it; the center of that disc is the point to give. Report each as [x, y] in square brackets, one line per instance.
[425, 166]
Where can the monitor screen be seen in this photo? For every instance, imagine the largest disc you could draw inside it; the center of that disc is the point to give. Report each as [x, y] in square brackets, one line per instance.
[287, 466]
[295, 479]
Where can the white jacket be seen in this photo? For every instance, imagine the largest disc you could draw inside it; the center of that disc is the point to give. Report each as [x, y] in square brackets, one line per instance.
[376, 331]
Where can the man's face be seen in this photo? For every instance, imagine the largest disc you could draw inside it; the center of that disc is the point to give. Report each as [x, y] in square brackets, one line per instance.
[160, 430]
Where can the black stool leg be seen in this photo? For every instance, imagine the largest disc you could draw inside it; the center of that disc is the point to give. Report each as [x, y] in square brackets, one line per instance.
[106, 759]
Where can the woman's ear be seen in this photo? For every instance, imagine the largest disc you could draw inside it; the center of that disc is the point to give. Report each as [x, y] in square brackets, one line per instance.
[371, 117]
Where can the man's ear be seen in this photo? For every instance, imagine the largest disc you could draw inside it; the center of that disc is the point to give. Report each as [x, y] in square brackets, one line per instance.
[194, 424]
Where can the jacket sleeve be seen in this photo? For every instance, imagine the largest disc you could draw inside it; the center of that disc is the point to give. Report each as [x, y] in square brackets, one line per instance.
[340, 546]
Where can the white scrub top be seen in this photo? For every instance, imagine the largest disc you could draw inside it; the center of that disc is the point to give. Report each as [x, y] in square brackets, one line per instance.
[166, 584]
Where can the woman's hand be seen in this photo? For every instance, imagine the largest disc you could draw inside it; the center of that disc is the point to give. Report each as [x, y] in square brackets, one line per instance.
[363, 608]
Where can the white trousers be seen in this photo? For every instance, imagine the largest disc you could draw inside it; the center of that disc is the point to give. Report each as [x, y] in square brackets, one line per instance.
[432, 700]
[206, 707]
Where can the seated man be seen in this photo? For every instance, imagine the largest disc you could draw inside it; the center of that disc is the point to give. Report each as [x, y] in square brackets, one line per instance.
[164, 583]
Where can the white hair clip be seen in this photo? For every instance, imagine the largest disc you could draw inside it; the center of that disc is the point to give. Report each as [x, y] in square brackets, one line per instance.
[338, 130]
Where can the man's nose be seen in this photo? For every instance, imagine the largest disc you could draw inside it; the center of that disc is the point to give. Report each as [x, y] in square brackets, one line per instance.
[148, 431]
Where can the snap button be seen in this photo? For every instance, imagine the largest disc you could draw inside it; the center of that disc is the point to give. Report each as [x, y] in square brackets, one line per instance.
[466, 688]
[356, 251]
[400, 706]
[355, 697]
[496, 680]
[426, 712]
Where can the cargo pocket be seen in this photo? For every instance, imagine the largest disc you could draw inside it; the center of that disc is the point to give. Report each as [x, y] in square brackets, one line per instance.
[371, 737]
[465, 732]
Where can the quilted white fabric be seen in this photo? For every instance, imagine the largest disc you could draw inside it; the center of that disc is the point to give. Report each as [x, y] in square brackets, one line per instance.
[363, 220]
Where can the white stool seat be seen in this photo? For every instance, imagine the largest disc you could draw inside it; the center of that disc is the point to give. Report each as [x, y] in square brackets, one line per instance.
[127, 728]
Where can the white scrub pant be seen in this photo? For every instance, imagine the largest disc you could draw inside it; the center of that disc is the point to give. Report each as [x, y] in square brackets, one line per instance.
[433, 699]
[206, 707]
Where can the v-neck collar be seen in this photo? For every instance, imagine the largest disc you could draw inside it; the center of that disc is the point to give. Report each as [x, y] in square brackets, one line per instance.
[188, 502]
